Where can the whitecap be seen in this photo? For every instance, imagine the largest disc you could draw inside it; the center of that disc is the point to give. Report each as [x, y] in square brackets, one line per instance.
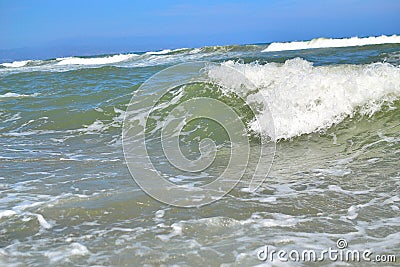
[15, 95]
[302, 98]
[16, 64]
[95, 60]
[330, 42]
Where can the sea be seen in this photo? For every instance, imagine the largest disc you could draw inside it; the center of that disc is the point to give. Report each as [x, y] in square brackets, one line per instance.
[75, 192]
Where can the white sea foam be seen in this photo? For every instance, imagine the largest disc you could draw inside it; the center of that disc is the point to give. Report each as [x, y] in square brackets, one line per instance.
[95, 60]
[303, 98]
[42, 221]
[176, 231]
[325, 42]
[15, 95]
[165, 51]
[7, 213]
[160, 213]
[95, 127]
[16, 64]
[162, 52]
[65, 252]
[195, 51]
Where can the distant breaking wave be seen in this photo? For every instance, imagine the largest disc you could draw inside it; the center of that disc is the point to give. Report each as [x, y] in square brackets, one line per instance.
[15, 95]
[207, 53]
[326, 43]
[16, 64]
[95, 60]
[165, 51]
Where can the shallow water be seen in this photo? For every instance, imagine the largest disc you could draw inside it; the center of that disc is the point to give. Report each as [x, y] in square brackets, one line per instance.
[67, 197]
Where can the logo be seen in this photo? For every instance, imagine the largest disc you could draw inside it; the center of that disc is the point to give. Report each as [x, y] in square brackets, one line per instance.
[189, 138]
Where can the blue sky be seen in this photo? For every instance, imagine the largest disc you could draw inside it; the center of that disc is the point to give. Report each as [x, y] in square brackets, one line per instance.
[71, 26]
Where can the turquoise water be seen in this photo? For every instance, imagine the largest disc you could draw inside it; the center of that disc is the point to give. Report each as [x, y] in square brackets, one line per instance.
[67, 197]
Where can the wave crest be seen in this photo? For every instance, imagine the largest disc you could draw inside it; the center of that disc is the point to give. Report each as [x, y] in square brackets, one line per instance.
[303, 98]
[95, 60]
[16, 64]
[325, 43]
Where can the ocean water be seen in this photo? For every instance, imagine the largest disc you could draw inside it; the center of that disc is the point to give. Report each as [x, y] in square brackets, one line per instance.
[68, 198]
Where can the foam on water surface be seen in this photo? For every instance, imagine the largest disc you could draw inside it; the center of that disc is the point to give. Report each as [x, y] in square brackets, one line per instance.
[67, 197]
[303, 98]
[329, 42]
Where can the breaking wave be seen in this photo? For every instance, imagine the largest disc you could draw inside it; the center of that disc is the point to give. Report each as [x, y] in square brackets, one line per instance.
[325, 43]
[95, 60]
[303, 98]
